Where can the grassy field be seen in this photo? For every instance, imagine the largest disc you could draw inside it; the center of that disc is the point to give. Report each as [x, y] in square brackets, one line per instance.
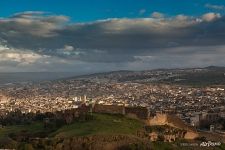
[101, 124]
[32, 128]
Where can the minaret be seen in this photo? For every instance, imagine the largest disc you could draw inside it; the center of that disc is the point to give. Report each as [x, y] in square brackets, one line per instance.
[124, 112]
[85, 98]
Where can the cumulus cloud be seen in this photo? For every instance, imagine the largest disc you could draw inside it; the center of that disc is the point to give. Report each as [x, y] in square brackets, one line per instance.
[31, 36]
[157, 15]
[215, 7]
[210, 16]
[66, 51]
[32, 23]
[68, 48]
[19, 57]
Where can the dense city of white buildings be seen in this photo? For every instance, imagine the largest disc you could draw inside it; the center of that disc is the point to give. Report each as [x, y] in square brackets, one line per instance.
[190, 104]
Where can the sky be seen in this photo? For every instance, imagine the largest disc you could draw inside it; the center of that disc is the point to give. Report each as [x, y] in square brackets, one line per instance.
[103, 35]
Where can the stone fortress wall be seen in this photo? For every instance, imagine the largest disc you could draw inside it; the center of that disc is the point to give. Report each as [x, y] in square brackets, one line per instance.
[173, 121]
[160, 119]
[110, 109]
[134, 112]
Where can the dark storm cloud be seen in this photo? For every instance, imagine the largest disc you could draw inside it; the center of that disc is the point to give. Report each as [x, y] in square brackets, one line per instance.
[31, 23]
[111, 40]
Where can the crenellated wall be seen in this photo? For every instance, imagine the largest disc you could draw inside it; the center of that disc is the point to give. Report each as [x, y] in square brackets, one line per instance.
[133, 112]
[111, 109]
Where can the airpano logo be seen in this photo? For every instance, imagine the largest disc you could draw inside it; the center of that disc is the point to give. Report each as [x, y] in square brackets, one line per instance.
[202, 144]
[209, 144]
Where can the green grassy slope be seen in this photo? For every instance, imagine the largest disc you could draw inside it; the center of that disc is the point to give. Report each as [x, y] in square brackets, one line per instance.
[101, 124]
[31, 128]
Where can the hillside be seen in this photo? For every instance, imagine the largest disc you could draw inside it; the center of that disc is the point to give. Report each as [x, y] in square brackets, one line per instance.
[188, 76]
[111, 132]
[100, 124]
[104, 131]
[175, 122]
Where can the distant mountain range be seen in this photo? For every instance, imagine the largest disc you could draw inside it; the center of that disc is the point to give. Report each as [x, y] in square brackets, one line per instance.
[211, 75]
[20, 77]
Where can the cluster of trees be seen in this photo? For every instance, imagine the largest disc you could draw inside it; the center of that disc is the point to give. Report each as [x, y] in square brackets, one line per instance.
[17, 117]
[51, 121]
[60, 117]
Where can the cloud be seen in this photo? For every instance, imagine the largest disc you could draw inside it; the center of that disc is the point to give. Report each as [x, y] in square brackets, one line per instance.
[157, 15]
[32, 23]
[66, 51]
[210, 16]
[19, 57]
[35, 37]
[215, 7]
[142, 11]
[68, 48]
